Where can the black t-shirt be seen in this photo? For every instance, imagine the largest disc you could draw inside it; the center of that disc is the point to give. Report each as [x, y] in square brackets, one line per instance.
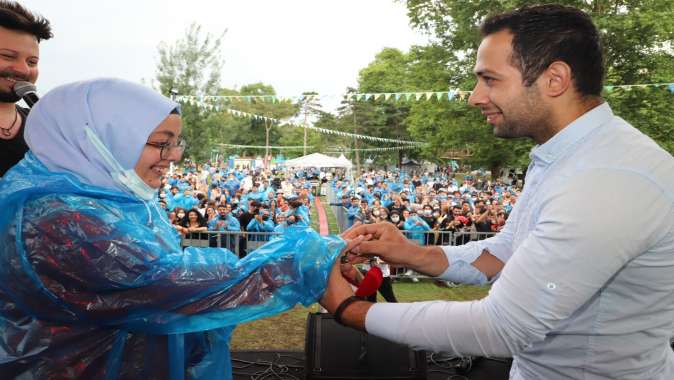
[12, 151]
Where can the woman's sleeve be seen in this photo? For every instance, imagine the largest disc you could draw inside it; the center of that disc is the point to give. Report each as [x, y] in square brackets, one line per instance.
[92, 263]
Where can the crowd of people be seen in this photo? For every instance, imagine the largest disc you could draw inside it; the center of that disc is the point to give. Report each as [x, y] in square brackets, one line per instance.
[208, 198]
[435, 201]
[203, 198]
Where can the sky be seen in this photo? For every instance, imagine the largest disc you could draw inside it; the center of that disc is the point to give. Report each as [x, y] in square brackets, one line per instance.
[293, 45]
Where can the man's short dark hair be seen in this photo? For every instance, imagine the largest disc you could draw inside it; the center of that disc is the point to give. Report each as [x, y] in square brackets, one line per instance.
[547, 33]
[14, 16]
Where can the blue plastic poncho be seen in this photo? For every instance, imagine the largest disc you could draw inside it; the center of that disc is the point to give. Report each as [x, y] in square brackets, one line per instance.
[94, 283]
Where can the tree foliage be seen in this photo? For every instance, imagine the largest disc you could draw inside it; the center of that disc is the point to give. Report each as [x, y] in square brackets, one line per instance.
[192, 66]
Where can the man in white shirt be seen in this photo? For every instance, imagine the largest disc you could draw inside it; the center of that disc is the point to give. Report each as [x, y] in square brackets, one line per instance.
[581, 292]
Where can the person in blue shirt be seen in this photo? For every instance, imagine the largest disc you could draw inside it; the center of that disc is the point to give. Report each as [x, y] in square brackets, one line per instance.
[260, 223]
[186, 201]
[281, 224]
[224, 221]
[355, 213]
[417, 226]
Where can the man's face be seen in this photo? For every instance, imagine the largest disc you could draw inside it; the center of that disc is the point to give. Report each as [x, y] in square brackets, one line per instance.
[19, 56]
[222, 211]
[512, 108]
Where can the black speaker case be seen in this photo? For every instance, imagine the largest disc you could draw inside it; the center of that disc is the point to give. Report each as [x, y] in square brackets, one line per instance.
[336, 352]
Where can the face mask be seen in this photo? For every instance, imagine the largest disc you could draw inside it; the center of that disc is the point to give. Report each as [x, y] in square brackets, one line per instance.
[436, 214]
[265, 217]
[428, 212]
[395, 219]
[126, 177]
[181, 215]
[375, 213]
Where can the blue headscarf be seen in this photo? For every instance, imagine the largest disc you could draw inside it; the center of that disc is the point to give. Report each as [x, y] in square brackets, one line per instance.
[121, 114]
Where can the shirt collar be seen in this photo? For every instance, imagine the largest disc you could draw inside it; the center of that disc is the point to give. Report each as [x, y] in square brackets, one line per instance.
[548, 152]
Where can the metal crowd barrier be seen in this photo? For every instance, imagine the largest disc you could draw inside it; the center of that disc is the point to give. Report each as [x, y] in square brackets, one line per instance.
[239, 242]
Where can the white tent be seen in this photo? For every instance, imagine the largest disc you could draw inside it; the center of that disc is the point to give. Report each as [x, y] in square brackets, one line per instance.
[345, 161]
[318, 160]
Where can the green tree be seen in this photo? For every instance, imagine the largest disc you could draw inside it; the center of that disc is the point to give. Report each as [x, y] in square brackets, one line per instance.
[389, 72]
[192, 66]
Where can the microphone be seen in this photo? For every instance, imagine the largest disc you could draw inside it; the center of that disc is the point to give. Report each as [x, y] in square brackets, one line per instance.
[27, 92]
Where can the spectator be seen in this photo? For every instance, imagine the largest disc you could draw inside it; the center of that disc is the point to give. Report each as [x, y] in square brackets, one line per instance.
[193, 225]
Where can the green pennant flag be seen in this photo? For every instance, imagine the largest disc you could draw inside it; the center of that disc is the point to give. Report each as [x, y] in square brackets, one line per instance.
[408, 96]
[439, 95]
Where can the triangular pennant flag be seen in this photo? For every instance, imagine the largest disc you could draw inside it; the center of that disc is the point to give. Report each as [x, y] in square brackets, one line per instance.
[429, 95]
[462, 95]
[451, 94]
[439, 95]
[378, 96]
[408, 96]
[418, 95]
[397, 95]
[671, 88]
[368, 96]
[387, 96]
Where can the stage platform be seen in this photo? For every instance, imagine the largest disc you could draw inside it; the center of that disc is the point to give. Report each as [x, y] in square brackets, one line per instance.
[287, 365]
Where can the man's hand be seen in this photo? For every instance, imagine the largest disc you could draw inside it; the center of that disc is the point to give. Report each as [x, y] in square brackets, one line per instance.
[387, 242]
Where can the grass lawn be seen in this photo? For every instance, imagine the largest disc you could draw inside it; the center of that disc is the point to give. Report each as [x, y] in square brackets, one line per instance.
[286, 331]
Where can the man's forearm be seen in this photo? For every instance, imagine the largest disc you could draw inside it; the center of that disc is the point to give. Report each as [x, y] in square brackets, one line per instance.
[429, 260]
[354, 315]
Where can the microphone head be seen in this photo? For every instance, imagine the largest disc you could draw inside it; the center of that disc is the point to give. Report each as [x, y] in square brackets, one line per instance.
[22, 88]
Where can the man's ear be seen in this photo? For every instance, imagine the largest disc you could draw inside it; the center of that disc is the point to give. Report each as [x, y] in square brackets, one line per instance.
[556, 79]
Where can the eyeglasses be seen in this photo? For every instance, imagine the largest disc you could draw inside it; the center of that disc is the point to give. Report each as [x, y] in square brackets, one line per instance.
[167, 149]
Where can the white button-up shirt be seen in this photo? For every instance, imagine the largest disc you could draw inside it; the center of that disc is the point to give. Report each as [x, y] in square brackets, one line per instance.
[587, 291]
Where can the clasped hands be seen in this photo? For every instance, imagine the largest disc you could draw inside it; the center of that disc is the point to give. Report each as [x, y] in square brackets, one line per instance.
[364, 241]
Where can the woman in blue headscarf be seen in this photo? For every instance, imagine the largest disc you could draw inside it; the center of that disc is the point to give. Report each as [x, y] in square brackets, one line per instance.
[93, 281]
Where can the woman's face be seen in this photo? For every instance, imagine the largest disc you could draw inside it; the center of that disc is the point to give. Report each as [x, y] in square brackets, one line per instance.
[192, 216]
[150, 166]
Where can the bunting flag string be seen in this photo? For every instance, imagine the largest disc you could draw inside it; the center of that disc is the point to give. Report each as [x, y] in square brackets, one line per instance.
[275, 147]
[452, 94]
[238, 113]
[391, 148]
[332, 131]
